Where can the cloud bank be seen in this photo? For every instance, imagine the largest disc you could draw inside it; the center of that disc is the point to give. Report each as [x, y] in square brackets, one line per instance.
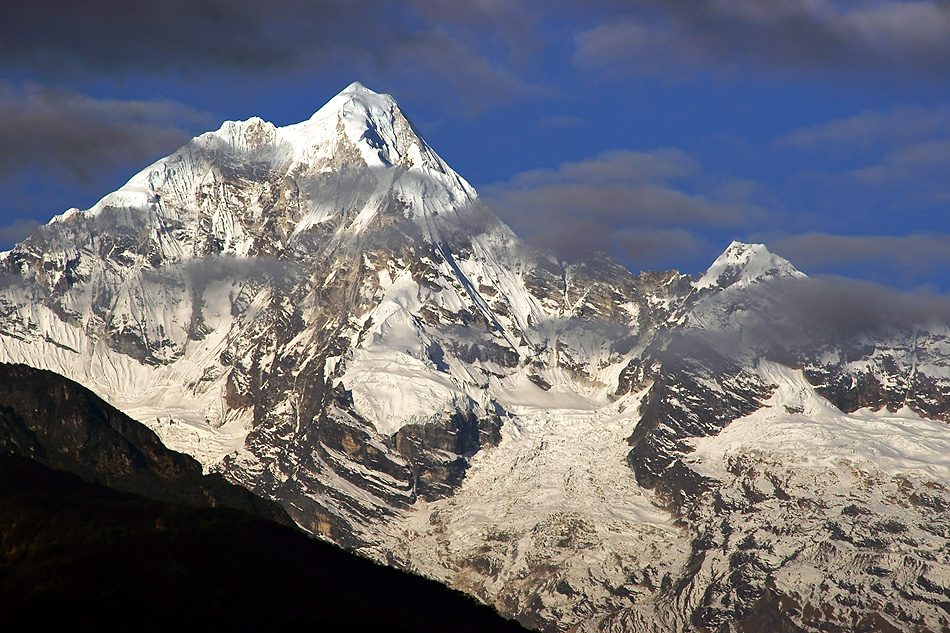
[653, 36]
[473, 47]
[910, 258]
[64, 130]
[643, 207]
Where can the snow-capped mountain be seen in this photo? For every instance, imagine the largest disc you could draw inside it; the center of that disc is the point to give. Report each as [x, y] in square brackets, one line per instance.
[327, 314]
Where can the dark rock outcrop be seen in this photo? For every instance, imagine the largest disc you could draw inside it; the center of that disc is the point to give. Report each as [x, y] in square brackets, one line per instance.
[110, 561]
[63, 425]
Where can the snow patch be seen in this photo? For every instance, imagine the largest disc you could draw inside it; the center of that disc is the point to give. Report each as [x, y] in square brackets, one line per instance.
[804, 428]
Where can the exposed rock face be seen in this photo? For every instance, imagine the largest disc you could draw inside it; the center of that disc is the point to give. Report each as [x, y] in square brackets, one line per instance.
[693, 394]
[328, 315]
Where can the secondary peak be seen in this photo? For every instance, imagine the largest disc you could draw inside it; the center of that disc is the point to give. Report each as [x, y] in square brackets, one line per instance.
[742, 264]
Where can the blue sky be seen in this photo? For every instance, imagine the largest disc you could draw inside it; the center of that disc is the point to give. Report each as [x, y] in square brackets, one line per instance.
[655, 131]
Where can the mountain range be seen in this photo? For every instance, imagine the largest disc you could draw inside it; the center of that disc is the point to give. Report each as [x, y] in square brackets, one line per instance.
[328, 315]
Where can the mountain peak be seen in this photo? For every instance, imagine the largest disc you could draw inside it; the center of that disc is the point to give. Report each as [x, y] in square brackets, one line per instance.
[374, 125]
[357, 97]
[358, 132]
[358, 107]
[742, 264]
[357, 87]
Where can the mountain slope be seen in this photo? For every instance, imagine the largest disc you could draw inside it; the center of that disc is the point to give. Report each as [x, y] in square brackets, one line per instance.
[64, 426]
[99, 518]
[110, 561]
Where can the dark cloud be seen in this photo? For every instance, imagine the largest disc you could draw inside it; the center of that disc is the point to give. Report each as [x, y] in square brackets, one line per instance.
[845, 307]
[478, 80]
[916, 165]
[615, 167]
[651, 35]
[871, 128]
[208, 270]
[657, 248]
[877, 164]
[475, 47]
[910, 258]
[16, 231]
[791, 320]
[116, 35]
[204, 272]
[60, 129]
[910, 38]
[511, 23]
[641, 206]
[805, 311]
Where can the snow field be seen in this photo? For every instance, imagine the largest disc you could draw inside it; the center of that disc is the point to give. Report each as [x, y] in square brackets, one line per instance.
[807, 430]
[555, 494]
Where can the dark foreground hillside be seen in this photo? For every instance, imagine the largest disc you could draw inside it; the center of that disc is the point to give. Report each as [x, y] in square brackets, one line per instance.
[63, 425]
[81, 556]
